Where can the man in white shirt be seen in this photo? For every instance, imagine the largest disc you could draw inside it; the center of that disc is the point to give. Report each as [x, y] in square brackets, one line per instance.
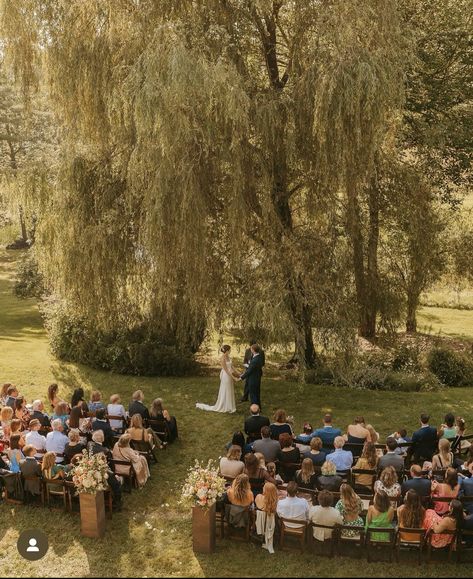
[293, 507]
[34, 438]
[56, 441]
[324, 514]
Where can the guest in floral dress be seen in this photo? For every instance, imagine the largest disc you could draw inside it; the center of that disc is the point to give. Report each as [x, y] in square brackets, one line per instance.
[350, 506]
[452, 521]
[388, 483]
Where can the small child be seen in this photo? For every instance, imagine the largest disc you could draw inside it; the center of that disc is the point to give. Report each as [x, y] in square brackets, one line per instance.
[271, 468]
[261, 460]
[401, 437]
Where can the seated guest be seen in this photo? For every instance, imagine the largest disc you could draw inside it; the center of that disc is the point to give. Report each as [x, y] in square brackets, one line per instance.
[342, 459]
[444, 459]
[158, 412]
[261, 460]
[256, 475]
[324, 514]
[305, 437]
[447, 429]
[315, 453]
[450, 488]
[411, 515]
[388, 483]
[74, 446]
[14, 453]
[401, 438]
[240, 493]
[266, 504]
[122, 451]
[116, 408]
[77, 396]
[138, 432]
[56, 440]
[21, 412]
[292, 507]
[231, 465]
[350, 507]
[268, 447]
[61, 412]
[96, 402]
[380, 514]
[53, 396]
[374, 435]
[391, 458]
[417, 482]
[451, 521]
[306, 477]
[4, 393]
[287, 454]
[137, 405]
[327, 434]
[329, 479]
[6, 416]
[466, 488]
[101, 423]
[280, 425]
[271, 468]
[367, 461]
[357, 432]
[254, 423]
[39, 414]
[16, 427]
[78, 414]
[34, 438]
[12, 395]
[31, 471]
[51, 470]
[96, 445]
[424, 440]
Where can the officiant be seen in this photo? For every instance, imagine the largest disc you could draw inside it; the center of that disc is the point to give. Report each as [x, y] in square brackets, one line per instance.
[246, 362]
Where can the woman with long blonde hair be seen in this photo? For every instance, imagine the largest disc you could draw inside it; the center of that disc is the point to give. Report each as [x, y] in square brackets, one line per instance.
[306, 477]
[240, 493]
[350, 506]
[367, 461]
[411, 515]
[444, 458]
[266, 504]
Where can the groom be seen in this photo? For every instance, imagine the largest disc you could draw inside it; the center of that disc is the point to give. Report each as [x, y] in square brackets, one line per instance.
[253, 374]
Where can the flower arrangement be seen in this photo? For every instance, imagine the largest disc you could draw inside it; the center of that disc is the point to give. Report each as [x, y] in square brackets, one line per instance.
[203, 486]
[90, 473]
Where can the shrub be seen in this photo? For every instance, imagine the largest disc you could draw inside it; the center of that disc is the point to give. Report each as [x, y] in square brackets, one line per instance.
[29, 281]
[451, 368]
[405, 358]
[140, 351]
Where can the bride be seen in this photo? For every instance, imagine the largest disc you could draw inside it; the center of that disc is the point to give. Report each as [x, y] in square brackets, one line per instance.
[226, 394]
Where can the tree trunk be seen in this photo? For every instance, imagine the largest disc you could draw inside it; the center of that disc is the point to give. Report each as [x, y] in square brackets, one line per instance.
[24, 233]
[371, 307]
[411, 318]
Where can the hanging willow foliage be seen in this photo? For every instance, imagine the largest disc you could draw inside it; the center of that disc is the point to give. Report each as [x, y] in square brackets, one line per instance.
[204, 143]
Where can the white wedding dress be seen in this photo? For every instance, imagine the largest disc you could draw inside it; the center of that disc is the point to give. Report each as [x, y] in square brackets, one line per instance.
[226, 394]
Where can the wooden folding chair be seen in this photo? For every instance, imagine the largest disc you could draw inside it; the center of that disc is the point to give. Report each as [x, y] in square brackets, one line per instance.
[318, 545]
[160, 427]
[241, 533]
[450, 548]
[58, 488]
[355, 472]
[356, 537]
[30, 497]
[464, 543]
[298, 532]
[130, 476]
[417, 542]
[145, 448]
[121, 419]
[373, 541]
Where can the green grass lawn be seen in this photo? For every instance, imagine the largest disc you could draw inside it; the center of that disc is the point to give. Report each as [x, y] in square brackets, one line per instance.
[130, 548]
[446, 322]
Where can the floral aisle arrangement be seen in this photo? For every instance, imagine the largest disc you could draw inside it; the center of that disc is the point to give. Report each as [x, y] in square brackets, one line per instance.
[203, 486]
[201, 490]
[90, 478]
[90, 474]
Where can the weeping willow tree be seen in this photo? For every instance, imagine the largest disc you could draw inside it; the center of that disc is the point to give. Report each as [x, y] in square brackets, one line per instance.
[205, 145]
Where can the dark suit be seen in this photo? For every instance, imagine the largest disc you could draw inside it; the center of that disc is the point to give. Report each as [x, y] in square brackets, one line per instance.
[246, 360]
[424, 443]
[137, 407]
[422, 486]
[253, 426]
[31, 468]
[43, 418]
[253, 376]
[105, 427]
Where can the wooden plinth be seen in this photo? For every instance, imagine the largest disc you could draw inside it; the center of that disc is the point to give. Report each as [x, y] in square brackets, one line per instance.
[92, 515]
[203, 529]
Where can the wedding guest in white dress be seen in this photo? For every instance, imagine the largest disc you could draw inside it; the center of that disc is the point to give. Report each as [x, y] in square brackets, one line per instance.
[226, 394]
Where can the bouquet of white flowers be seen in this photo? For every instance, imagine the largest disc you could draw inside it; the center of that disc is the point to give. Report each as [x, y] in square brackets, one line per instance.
[90, 474]
[203, 486]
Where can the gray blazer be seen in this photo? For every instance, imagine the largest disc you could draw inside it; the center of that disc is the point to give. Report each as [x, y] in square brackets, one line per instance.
[391, 459]
[31, 468]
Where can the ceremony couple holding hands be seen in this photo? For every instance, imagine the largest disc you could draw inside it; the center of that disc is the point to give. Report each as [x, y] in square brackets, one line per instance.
[253, 373]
